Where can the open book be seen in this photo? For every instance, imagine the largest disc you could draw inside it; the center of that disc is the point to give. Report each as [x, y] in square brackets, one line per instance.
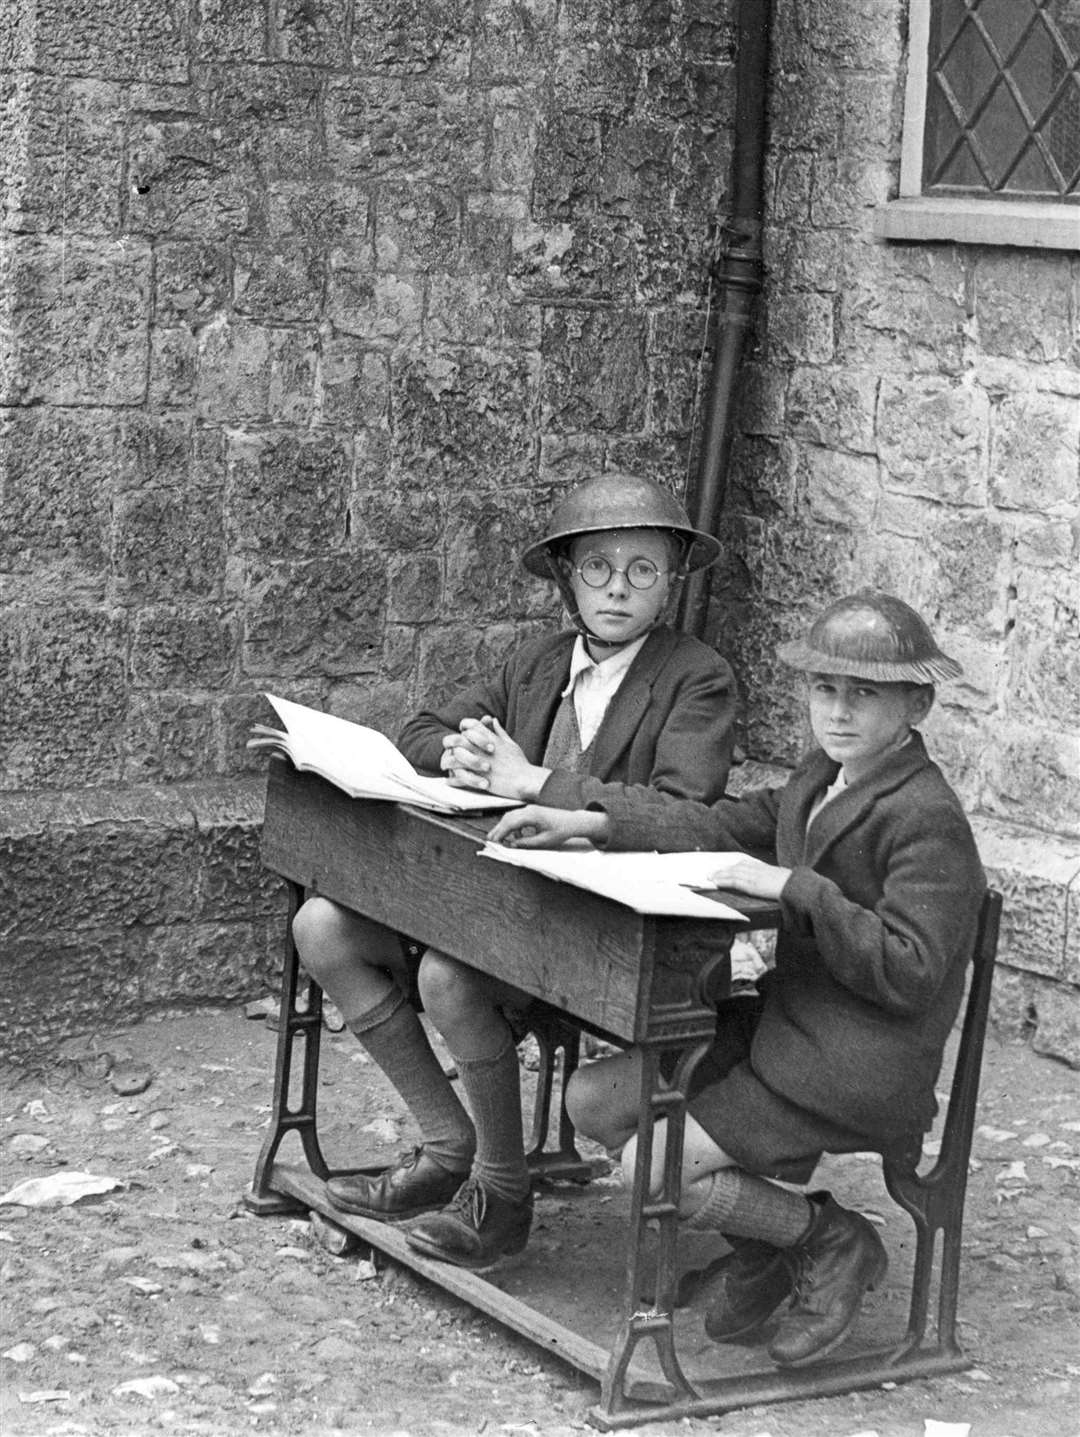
[662, 883]
[361, 761]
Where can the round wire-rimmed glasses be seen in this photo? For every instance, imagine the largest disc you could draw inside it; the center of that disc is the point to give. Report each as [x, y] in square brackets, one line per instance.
[596, 571]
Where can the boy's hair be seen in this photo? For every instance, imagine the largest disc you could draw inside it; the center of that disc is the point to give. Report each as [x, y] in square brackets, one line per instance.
[871, 635]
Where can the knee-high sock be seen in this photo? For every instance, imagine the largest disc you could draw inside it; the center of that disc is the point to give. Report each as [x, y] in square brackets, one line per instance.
[394, 1036]
[493, 1088]
[746, 1206]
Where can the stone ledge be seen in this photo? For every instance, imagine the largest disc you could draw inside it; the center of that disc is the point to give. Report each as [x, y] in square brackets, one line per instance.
[69, 982]
[202, 805]
[147, 856]
[751, 774]
[117, 902]
[1038, 875]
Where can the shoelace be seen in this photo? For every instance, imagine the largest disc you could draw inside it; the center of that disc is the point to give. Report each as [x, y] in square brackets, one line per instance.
[468, 1201]
[802, 1290]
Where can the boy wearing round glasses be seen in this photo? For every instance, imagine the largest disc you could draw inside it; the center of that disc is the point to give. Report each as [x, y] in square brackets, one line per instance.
[621, 698]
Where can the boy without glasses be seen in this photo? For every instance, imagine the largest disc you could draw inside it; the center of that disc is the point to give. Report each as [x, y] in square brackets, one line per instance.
[879, 881]
[622, 698]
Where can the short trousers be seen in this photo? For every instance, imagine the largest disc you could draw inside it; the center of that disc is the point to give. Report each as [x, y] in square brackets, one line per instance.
[763, 1132]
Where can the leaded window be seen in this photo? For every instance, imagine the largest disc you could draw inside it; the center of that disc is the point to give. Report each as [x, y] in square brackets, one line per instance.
[991, 140]
[1003, 99]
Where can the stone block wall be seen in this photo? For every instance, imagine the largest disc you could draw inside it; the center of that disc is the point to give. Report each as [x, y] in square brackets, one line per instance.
[310, 311]
[911, 421]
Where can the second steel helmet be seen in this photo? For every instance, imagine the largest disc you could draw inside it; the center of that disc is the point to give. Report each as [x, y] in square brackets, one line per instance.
[870, 635]
[619, 501]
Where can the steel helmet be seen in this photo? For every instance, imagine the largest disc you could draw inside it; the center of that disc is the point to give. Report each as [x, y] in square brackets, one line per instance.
[619, 501]
[870, 635]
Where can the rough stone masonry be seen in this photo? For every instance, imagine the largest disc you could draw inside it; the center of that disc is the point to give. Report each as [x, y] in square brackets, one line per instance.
[310, 307]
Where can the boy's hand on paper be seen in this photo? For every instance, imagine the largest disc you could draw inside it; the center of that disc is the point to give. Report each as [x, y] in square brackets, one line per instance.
[482, 755]
[537, 827]
[753, 877]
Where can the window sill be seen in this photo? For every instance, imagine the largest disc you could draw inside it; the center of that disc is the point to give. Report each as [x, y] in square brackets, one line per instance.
[987, 222]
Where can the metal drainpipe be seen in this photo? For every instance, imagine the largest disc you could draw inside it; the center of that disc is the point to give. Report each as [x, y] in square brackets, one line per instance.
[737, 275]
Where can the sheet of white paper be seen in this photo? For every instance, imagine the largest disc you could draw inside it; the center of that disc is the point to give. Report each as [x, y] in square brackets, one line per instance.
[365, 762]
[633, 879]
[372, 749]
[690, 870]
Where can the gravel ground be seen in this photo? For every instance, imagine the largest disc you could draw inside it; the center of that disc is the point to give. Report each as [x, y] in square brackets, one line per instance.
[163, 1305]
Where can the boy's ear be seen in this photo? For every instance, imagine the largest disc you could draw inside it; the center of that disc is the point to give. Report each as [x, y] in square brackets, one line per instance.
[679, 552]
[922, 701]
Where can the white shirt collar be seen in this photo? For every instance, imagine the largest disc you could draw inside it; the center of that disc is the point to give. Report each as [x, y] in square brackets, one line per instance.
[606, 669]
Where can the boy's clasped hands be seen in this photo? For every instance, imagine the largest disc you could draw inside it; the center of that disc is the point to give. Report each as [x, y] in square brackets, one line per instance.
[482, 755]
[535, 826]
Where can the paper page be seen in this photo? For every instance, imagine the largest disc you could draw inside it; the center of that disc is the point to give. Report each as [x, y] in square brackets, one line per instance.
[690, 870]
[365, 763]
[329, 740]
[455, 800]
[625, 877]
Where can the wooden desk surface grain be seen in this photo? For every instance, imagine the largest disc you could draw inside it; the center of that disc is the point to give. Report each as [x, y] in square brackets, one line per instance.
[629, 975]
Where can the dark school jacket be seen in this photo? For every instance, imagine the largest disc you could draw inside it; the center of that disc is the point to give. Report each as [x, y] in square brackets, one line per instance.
[878, 924]
[668, 726]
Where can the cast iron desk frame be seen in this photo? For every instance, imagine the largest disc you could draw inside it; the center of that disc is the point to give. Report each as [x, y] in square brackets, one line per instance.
[637, 979]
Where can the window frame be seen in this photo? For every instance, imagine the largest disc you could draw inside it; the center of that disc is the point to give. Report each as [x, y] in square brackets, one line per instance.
[913, 215]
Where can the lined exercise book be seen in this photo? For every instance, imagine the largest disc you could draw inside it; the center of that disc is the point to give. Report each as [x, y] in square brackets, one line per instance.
[361, 761]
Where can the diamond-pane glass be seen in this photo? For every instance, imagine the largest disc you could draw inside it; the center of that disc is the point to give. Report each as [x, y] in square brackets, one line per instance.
[1062, 131]
[1034, 71]
[943, 132]
[1003, 98]
[1031, 175]
[969, 70]
[951, 17]
[1065, 15]
[1001, 134]
[1005, 21]
[965, 169]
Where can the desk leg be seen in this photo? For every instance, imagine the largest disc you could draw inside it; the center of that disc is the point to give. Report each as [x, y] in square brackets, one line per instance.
[293, 1023]
[655, 1322]
[552, 1030]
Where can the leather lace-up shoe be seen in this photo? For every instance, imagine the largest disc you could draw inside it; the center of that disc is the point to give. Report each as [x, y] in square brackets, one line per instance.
[416, 1185]
[474, 1230]
[841, 1258]
[745, 1287]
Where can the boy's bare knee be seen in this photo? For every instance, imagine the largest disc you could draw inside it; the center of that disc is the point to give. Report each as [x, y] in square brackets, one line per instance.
[332, 939]
[628, 1162]
[317, 921]
[445, 984]
[579, 1101]
[589, 1100]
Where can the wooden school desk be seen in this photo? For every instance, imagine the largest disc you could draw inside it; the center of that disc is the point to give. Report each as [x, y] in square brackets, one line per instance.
[635, 979]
